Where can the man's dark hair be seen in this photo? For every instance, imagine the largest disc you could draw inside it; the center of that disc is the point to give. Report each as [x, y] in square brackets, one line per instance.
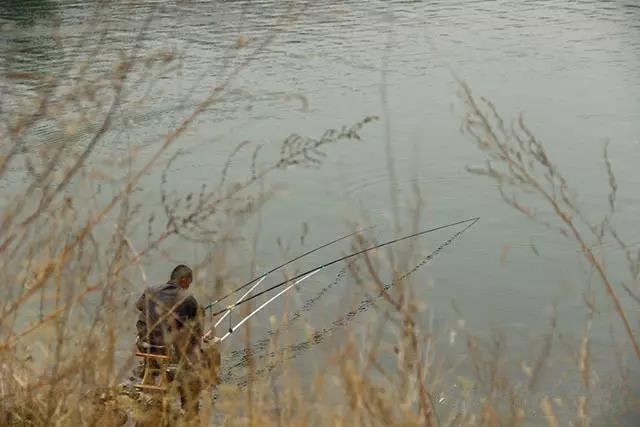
[181, 272]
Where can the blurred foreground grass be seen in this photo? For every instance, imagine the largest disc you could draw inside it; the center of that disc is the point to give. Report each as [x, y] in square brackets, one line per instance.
[66, 256]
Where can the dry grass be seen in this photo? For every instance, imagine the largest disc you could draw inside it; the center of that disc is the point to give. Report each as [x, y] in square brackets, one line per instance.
[65, 256]
[527, 179]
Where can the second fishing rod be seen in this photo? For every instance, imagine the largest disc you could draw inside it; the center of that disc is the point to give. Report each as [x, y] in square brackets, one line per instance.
[316, 269]
[264, 275]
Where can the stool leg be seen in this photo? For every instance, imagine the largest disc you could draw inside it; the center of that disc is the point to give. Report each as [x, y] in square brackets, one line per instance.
[147, 378]
[164, 380]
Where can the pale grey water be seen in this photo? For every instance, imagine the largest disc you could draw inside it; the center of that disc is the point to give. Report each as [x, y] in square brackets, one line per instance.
[572, 68]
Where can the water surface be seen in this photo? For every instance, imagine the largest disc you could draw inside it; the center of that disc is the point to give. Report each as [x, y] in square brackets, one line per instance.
[572, 69]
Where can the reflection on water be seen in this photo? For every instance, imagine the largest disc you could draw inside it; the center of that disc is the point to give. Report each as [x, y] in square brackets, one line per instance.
[28, 41]
[28, 12]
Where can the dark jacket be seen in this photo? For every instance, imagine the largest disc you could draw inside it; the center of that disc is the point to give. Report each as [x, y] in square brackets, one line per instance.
[169, 316]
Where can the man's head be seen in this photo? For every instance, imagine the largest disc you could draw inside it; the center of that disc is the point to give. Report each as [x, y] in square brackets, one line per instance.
[182, 276]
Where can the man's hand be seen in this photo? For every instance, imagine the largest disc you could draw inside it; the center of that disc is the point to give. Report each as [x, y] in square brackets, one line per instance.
[209, 336]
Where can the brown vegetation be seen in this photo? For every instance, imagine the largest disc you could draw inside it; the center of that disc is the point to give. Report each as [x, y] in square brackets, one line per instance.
[66, 254]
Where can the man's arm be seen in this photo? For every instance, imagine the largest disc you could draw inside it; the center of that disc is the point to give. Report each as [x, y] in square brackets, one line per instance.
[188, 313]
[188, 309]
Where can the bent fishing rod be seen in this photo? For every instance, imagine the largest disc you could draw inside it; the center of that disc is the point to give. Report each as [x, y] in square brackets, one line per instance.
[306, 275]
[315, 270]
[260, 278]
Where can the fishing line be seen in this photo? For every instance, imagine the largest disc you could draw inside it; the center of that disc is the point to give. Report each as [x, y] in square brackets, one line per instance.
[210, 305]
[263, 305]
[316, 269]
[343, 321]
[264, 342]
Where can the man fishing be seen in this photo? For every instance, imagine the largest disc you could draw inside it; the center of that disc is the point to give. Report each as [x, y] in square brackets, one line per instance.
[169, 319]
[171, 324]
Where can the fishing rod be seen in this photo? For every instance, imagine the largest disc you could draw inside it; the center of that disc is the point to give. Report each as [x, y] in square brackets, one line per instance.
[317, 269]
[303, 276]
[262, 276]
[240, 299]
[263, 305]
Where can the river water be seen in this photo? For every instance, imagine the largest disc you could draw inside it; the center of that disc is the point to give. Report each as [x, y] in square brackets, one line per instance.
[572, 68]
